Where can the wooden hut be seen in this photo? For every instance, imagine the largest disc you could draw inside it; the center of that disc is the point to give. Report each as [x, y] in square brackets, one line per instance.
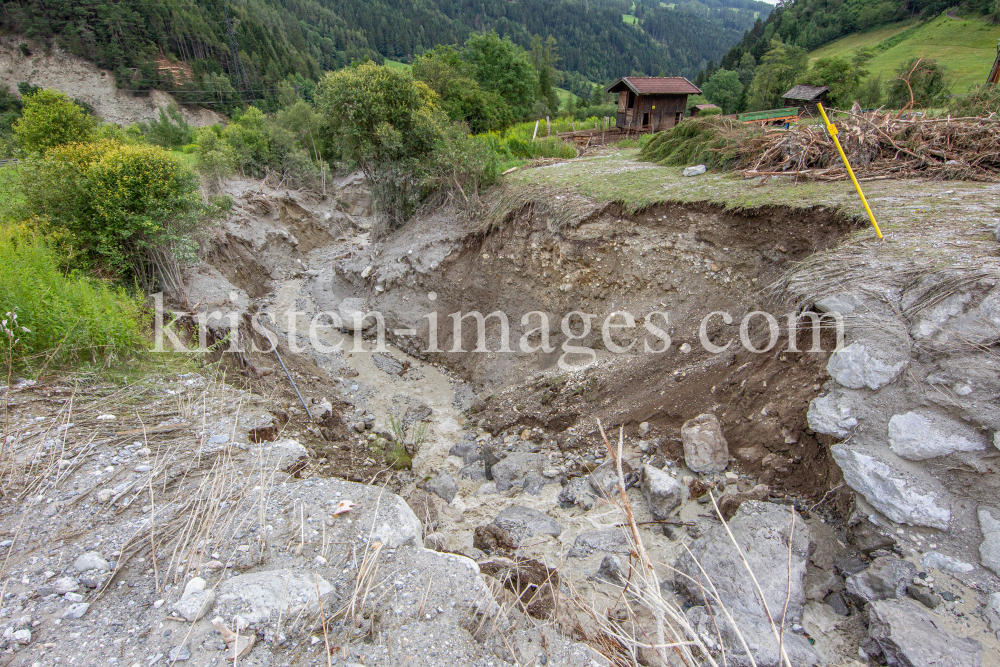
[698, 108]
[651, 103]
[806, 98]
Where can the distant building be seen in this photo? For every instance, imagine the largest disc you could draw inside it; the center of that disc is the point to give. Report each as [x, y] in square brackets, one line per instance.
[698, 108]
[651, 103]
[806, 98]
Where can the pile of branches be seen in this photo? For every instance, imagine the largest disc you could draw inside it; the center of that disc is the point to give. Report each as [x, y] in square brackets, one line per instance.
[878, 144]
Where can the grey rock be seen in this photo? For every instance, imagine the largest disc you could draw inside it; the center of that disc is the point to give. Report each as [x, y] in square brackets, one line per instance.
[91, 561]
[663, 493]
[696, 170]
[467, 450]
[22, 636]
[398, 525]
[868, 538]
[73, 597]
[444, 485]
[924, 595]
[511, 470]
[761, 529]
[65, 584]
[578, 492]
[934, 559]
[837, 603]
[261, 596]
[892, 492]
[842, 303]
[179, 654]
[830, 414]
[643, 429]
[848, 565]
[533, 483]
[604, 479]
[923, 435]
[989, 550]
[475, 472]
[521, 522]
[285, 452]
[758, 635]
[352, 311]
[705, 448]
[611, 571]
[859, 365]
[887, 578]
[907, 637]
[614, 541]
[993, 611]
[195, 602]
[75, 611]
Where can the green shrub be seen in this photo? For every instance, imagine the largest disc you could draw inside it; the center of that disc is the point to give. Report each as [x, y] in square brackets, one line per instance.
[70, 318]
[170, 130]
[983, 100]
[128, 210]
[920, 82]
[50, 118]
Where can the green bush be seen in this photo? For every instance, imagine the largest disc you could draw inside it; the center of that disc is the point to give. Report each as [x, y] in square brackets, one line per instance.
[49, 118]
[920, 82]
[983, 100]
[70, 318]
[130, 211]
[170, 130]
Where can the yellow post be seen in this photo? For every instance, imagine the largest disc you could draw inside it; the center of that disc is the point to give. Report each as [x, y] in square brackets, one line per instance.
[832, 129]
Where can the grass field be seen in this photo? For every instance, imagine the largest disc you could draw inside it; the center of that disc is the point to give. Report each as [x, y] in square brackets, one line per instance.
[965, 47]
[629, 18]
[395, 64]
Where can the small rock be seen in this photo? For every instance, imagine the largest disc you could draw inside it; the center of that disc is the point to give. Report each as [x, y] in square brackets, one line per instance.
[643, 429]
[705, 448]
[511, 470]
[611, 571]
[358, 426]
[918, 436]
[663, 493]
[91, 561]
[520, 522]
[859, 365]
[443, 485]
[65, 584]
[837, 603]
[179, 653]
[467, 450]
[577, 492]
[435, 542]
[924, 595]
[195, 602]
[613, 540]
[23, 636]
[886, 578]
[73, 597]
[697, 170]
[75, 611]
[935, 560]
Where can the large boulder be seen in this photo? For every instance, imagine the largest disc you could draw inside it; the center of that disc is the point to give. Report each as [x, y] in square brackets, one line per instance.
[894, 493]
[714, 564]
[923, 435]
[705, 448]
[905, 636]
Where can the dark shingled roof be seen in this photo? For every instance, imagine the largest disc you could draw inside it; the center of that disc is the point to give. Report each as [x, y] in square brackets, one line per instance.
[655, 85]
[805, 93]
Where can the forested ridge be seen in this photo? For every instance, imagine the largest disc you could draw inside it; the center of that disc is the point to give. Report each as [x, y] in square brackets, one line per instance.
[296, 40]
[809, 24]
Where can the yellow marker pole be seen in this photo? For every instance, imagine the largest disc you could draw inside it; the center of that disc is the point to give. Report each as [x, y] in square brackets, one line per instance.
[832, 129]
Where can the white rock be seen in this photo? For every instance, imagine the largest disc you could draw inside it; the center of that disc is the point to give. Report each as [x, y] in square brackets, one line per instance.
[663, 493]
[105, 495]
[260, 596]
[842, 303]
[856, 366]
[697, 170]
[891, 492]
[22, 636]
[705, 448]
[105, 418]
[917, 436]
[644, 429]
[65, 584]
[831, 414]
[91, 561]
[939, 561]
[75, 611]
[351, 312]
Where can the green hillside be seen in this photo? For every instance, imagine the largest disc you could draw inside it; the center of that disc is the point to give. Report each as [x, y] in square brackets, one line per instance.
[966, 47]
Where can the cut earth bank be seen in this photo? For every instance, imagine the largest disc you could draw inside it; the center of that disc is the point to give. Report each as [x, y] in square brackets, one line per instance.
[883, 452]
